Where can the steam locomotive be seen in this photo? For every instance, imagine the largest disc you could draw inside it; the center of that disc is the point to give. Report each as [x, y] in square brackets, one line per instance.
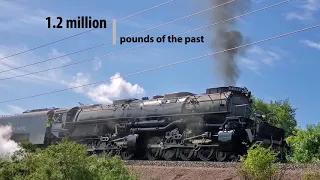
[217, 125]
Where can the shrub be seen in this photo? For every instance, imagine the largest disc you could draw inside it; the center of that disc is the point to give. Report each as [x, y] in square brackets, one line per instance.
[306, 144]
[28, 146]
[259, 164]
[65, 161]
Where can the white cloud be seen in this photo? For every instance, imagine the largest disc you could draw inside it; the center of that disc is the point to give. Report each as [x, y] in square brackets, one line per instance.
[28, 58]
[266, 56]
[258, 57]
[16, 109]
[257, 1]
[97, 64]
[118, 88]
[15, 16]
[57, 73]
[2, 113]
[11, 109]
[103, 93]
[79, 80]
[305, 10]
[311, 44]
[250, 64]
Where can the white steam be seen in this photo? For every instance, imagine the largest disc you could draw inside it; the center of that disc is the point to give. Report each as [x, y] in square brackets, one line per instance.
[7, 146]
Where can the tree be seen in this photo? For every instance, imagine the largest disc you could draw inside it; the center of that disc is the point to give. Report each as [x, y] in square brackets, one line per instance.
[67, 160]
[306, 144]
[278, 113]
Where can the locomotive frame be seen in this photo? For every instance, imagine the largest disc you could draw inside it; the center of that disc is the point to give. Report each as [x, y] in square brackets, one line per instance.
[217, 125]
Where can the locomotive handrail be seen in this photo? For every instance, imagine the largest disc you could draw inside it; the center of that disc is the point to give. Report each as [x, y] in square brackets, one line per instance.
[239, 105]
[2, 116]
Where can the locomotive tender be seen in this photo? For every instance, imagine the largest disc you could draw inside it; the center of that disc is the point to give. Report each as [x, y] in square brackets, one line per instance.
[215, 125]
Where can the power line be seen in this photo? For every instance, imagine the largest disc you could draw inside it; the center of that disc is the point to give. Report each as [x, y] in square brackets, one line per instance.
[168, 65]
[69, 37]
[105, 43]
[129, 49]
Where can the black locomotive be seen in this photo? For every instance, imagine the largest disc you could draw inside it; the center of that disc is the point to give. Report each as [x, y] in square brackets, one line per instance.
[216, 125]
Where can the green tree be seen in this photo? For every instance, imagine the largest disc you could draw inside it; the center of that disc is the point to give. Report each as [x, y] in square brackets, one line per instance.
[65, 161]
[278, 113]
[306, 144]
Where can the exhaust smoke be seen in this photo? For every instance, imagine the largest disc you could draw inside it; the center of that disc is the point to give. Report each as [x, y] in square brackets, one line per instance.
[225, 36]
[7, 146]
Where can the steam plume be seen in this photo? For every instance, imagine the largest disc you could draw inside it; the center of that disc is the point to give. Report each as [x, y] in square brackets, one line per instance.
[7, 146]
[226, 37]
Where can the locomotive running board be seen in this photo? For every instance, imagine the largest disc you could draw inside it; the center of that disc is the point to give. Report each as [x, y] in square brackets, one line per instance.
[180, 146]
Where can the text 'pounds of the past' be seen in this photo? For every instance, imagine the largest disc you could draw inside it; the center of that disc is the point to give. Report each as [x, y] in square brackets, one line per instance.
[162, 39]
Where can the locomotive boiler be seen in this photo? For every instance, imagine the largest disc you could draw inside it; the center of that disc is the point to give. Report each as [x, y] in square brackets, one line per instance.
[215, 125]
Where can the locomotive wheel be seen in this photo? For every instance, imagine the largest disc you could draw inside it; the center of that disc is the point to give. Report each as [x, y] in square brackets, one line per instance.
[170, 154]
[186, 154]
[153, 153]
[126, 155]
[221, 156]
[205, 153]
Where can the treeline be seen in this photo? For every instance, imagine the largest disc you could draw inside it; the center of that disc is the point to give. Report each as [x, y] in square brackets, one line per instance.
[305, 143]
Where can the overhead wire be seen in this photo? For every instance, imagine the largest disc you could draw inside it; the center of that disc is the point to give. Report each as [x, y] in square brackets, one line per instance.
[168, 65]
[109, 42]
[132, 48]
[69, 37]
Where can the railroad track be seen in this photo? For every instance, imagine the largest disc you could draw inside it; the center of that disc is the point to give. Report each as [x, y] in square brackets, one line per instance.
[287, 166]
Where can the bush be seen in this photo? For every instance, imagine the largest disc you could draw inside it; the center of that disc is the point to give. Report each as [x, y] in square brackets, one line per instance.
[306, 144]
[65, 161]
[259, 164]
[28, 146]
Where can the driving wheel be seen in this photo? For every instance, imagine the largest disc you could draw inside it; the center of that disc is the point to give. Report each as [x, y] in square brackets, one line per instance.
[186, 154]
[206, 153]
[221, 156]
[153, 153]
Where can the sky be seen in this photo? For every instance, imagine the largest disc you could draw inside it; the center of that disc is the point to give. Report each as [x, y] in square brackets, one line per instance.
[273, 70]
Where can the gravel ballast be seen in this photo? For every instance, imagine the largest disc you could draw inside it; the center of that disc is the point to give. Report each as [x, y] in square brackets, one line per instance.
[194, 170]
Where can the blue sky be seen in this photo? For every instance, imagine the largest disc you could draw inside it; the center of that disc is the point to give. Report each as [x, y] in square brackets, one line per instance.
[274, 70]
